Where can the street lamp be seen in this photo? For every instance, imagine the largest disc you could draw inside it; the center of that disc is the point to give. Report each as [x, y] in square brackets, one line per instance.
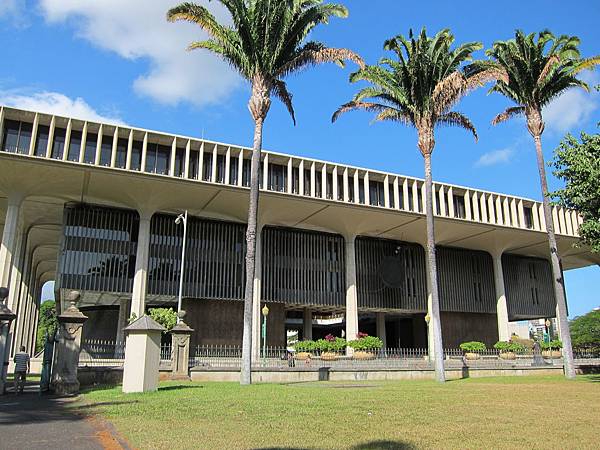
[265, 313]
[181, 218]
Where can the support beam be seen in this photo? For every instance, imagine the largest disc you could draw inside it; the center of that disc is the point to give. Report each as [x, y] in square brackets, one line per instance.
[307, 325]
[381, 333]
[351, 292]
[138, 297]
[8, 246]
[501, 305]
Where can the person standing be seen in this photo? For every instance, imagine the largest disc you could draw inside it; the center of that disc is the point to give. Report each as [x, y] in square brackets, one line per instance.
[21, 361]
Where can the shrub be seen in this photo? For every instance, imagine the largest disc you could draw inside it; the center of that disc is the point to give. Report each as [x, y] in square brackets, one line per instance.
[472, 347]
[510, 346]
[552, 345]
[305, 346]
[331, 344]
[366, 343]
[164, 316]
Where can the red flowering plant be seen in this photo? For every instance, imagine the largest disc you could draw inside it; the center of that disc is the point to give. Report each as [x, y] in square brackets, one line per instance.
[361, 335]
[331, 343]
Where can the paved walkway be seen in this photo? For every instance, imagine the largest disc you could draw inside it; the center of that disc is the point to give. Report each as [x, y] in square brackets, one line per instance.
[30, 421]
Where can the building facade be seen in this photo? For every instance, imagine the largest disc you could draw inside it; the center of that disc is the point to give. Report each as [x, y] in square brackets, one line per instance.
[92, 206]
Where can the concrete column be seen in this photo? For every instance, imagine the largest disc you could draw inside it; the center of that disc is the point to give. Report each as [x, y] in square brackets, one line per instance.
[9, 241]
[381, 328]
[138, 296]
[124, 305]
[307, 325]
[256, 301]
[180, 351]
[6, 317]
[351, 293]
[67, 349]
[501, 306]
[142, 356]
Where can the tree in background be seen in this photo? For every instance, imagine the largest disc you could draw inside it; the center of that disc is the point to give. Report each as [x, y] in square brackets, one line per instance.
[266, 43]
[47, 323]
[577, 163]
[585, 330]
[539, 70]
[419, 88]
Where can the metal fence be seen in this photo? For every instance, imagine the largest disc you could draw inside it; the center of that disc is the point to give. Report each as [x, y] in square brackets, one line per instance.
[102, 353]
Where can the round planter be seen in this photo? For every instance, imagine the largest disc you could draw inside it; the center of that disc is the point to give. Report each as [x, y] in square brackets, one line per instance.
[554, 354]
[508, 355]
[302, 356]
[472, 356]
[363, 355]
[329, 356]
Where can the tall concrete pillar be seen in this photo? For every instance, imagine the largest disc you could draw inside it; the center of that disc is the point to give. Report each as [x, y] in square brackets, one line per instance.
[381, 334]
[8, 246]
[307, 325]
[351, 293]
[501, 306]
[124, 314]
[140, 279]
[256, 300]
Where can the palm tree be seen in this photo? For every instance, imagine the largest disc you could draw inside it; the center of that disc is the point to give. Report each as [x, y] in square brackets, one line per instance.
[419, 89]
[538, 72]
[265, 43]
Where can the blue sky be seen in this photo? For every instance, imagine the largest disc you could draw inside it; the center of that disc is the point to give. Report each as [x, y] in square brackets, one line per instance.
[120, 60]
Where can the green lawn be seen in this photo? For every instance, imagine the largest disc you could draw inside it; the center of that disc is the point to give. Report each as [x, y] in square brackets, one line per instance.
[527, 412]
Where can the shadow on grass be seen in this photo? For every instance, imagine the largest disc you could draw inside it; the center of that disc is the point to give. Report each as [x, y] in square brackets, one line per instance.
[592, 378]
[372, 445]
[179, 387]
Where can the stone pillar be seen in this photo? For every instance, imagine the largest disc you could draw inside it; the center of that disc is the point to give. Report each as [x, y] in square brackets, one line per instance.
[123, 319]
[501, 306]
[256, 300]
[307, 325]
[180, 350]
[67, 349]
[138, 296]
[351, 293]
[142, 355]
[8, 246]
[6, 317]
[381, 328]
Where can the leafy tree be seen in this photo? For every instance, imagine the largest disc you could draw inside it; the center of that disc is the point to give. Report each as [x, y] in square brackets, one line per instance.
[164, 316]
[266, 42]
[419, 88]
[47, 323]
[539, 70]
[577, 163]
[585, 330]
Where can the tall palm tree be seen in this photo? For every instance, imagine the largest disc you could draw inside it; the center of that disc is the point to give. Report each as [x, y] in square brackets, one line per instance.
[539, 70]
[265, 43]
[419, 89]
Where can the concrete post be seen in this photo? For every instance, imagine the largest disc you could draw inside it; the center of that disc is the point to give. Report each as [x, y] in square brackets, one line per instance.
[381, 334]
[501, 306]
[123, 319]
[68, 347]
[142, 355]
[307, 325]
[180, 350]
[138, 296]
[351, 293]
[6, 317]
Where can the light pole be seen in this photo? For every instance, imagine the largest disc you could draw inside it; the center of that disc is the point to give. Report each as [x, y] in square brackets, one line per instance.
[265, 313]
[181, 218]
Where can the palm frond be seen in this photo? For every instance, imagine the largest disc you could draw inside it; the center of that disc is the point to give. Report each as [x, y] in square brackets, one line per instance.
[457, 119]
[509, 113]
[280, 91]
[351, 106]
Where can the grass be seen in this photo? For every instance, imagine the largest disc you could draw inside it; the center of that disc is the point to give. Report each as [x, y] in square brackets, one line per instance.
[528, 412]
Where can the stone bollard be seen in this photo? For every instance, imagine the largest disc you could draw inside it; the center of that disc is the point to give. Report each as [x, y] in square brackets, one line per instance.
[142, 355]
[6, 317]
[180, 349]
[68, 347]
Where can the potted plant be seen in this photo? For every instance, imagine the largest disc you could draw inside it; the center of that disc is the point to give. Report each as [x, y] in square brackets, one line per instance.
[509, 350]
[330, 347]
[551, 349]
[304, 350]
[365, 346]
[472, 349]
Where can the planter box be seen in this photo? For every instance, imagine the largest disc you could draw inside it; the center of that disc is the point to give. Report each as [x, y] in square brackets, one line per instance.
[553, 354]
[302, 356]
[363, 355]
[508, 355]
[472, 356]
[329, 356]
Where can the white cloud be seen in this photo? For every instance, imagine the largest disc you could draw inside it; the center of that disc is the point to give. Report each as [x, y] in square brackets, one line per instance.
[13, 10]
[55, 103]
[137, 29]
[573, 108]
[492, 158]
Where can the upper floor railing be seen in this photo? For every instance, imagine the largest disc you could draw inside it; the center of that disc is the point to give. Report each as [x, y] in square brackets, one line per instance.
[131, 149]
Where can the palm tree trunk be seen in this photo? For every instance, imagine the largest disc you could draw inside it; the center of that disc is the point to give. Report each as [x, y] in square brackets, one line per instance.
[246, 370]
[438, 350]
[559, 289]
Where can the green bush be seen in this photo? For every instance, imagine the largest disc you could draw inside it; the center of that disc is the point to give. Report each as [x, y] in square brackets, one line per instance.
[164, 316]
[552, 345]
[366, 343]
[305, 346]
[48, 323]
[331, 344]
[472, 347]
[511, 346]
